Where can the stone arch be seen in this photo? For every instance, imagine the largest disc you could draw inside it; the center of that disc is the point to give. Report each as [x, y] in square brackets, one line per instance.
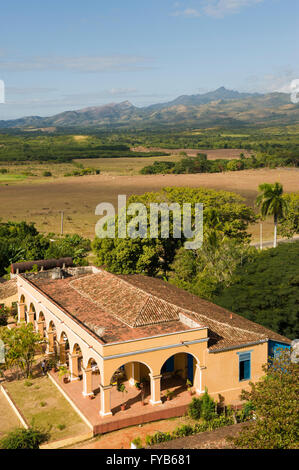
[31, 314]
[51, 336]
[63, 346]
[75, 361]
[92, 362]
[51, 326]
[135, 376]
[41, 316]
[122, 364]
[41, 323]
[179, 370]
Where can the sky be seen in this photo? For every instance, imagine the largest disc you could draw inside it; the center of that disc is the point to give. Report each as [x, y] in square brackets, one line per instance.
[71, 54]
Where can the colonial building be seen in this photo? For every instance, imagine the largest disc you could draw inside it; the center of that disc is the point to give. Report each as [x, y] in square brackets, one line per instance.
[143, 328]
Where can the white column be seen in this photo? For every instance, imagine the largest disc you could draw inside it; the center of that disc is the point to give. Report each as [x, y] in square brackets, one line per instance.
[155, 389]
[105, 400]
[198, 382]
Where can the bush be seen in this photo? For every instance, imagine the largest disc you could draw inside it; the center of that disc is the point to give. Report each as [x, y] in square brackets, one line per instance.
[208, 407]
[137, 442]
[183, 431]
[47, 173]
[30, 438]
[194, 408]
[4, 312]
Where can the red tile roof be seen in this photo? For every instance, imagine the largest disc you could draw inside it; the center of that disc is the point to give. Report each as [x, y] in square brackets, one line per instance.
[124, 307]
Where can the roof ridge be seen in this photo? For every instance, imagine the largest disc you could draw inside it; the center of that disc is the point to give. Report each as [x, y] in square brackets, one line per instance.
[97, 303]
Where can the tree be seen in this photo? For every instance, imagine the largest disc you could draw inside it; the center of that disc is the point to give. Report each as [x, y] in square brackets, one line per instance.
[223, 210]
[271, 202]
[19, 438]
[276, 408]
[289, 225]
[262, 294]
[20, 347]
[207, 271]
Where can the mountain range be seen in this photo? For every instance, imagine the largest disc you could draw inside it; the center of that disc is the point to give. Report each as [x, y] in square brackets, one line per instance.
[222, 107]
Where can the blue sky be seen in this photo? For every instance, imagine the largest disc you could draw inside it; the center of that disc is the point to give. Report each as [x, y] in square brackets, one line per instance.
[70, 54]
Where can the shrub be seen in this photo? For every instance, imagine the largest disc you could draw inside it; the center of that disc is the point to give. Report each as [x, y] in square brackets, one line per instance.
[208, 407]
[47, 173]
[183, 431]
[194, 408]
[61, 427]
[30, 438]
[4, 313]
[137, 442]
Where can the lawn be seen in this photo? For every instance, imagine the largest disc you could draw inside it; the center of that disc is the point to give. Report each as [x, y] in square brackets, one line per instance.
[42, 403]
[9, 420]
[11, 178]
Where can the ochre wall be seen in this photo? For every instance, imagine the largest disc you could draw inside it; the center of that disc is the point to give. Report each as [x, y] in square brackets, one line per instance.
[222, 371]
[9, 300]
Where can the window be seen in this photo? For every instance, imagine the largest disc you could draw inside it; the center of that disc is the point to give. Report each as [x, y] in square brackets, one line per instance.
[244, 366]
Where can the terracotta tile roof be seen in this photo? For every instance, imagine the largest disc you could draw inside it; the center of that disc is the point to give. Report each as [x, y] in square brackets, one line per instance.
[131, 305]
[8, 289]
[124, 307]
[104, 325]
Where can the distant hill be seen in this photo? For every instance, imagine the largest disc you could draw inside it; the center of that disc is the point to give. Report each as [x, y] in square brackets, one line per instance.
[221, 107]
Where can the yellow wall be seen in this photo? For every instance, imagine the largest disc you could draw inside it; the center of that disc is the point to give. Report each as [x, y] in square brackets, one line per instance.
[222, 371]
[9, 300]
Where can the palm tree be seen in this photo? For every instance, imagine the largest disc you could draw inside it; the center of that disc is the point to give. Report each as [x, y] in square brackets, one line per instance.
[271, 202]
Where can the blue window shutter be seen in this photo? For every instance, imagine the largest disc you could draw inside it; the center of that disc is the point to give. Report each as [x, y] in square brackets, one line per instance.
[246, 370]
[244, 365]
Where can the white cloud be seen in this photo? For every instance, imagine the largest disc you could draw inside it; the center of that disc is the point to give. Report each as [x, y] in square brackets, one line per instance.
[220, 8]
[188, 12]
[213, 8]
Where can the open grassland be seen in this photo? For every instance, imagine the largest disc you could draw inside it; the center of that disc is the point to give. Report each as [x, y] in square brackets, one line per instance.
[8, 419]
[212, 154]
[44, 404]
[42, 201]
[34, 171]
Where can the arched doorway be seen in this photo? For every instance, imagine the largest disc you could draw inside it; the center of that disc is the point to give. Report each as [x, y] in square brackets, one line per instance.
[22, 309]
[31, 315]
[178, 372]
[51, 337]
[91, 378]
[63, 349]
[75, 362]
[130, 386]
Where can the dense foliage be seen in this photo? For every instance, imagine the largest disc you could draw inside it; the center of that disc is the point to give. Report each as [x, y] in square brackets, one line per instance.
[4, 314]
[266, 290]
[288, 226]
[276, 408]
[63, 148]
[208, 270]
[20, 241]
[21, 345]
[61, 145]
[203, 407]
[19, 438]
[153, 255]
[200, 164]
